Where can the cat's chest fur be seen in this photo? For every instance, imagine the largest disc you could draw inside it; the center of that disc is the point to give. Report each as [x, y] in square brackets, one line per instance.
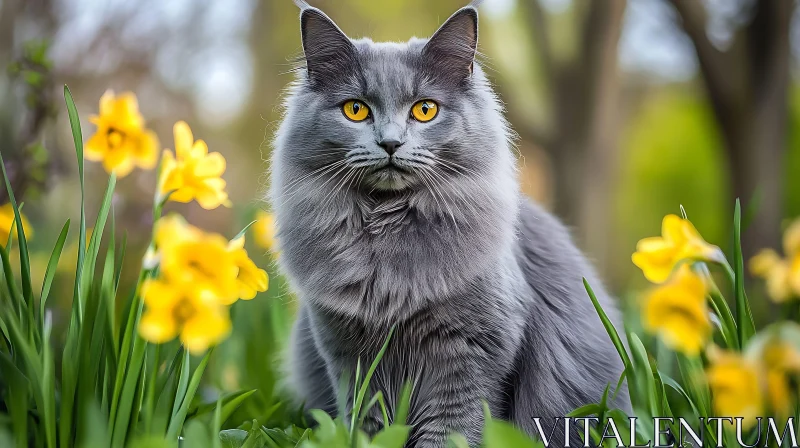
[387, 259]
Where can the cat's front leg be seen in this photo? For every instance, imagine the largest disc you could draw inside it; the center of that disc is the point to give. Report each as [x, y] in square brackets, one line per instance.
[448, 396]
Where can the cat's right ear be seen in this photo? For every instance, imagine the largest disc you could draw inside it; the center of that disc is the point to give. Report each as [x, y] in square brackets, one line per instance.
[328, 51]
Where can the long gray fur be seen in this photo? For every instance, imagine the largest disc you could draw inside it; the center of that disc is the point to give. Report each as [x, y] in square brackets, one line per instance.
[484, 286]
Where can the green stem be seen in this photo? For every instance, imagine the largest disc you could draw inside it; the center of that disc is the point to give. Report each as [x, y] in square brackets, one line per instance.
[730, 273]
[151, 390]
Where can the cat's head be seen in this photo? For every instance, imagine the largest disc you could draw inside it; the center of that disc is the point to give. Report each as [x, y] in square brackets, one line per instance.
[377, 117]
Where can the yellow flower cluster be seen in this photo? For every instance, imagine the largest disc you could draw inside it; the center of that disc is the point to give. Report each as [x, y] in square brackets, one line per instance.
[192, 173]
[750, 385]
[679, 241]
[121, 141]
[677, 309]
[200, 275]
[782, 275]
[8, 224]
[264, 231]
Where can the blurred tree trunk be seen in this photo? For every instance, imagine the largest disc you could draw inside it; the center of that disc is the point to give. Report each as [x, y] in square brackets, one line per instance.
[582, 141]
[748, 86]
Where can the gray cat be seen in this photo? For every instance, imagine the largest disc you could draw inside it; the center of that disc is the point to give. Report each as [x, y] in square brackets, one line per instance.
[396, 198]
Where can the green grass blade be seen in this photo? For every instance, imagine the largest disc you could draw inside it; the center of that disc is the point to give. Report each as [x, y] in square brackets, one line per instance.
[183, 383]
[242, 232]
[646, 397]
[52, 264]
[744, 316]
[403, 404]
[609, 326]
[727, 323]
[25, 265]
[178, 419]
[17, 401]
[48, 386]
[230, 402]
[124, 406]
[217, 428]
[365, 384]
[77, 136]
[16, 298]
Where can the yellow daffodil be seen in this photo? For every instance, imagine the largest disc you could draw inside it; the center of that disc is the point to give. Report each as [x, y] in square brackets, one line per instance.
[196, 260]
[779, 360]
[679, 240]
[199, 320]
[200, 274]
[8, 224]
[192, 173]
[768, 265]
[264, 230]
[251, 280]
[121, 141]
[677, 311]
[735, 386]
[782, 275]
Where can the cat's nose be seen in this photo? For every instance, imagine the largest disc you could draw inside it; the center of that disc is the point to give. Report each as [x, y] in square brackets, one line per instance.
[390, 146]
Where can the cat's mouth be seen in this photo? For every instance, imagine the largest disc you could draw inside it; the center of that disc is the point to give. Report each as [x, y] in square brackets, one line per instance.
[391, 176]
[391, 167]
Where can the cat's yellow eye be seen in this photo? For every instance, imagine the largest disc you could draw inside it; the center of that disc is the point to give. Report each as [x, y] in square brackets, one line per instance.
[425, 110]
[355, 110]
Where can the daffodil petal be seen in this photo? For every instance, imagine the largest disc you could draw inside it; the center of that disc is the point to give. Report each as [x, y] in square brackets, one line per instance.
[212, 165]
[159, 295]
[207, 328]
[157, 326]
[107, 103]
[146, 153]
[199, 149]
[183, 140]
[96, 147]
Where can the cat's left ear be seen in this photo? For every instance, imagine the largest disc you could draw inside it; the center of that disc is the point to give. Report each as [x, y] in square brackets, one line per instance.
[451, 50]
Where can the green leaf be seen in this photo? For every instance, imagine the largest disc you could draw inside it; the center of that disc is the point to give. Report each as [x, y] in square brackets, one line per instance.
[215, 430]
[242, 232]
[197, 436]
[77, 137]
[52, 264]
[233, 438]
[177, 421]
[457, 441]
[727, 323]
[612, 332]
[124, 407]
[394, 436]
[365, 384]
[646, 398]
[151, 442]
[586, 410]
[500, 434]
[183, 382]
[229, 402]
[404, 403]
[744, 316]
[25, 265]
[17, 403]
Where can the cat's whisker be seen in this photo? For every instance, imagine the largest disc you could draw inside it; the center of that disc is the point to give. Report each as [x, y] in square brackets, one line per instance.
[323, 169]
[432, 187]
[329, 197]
[298, 185]
[443, 182]
[461, 199]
